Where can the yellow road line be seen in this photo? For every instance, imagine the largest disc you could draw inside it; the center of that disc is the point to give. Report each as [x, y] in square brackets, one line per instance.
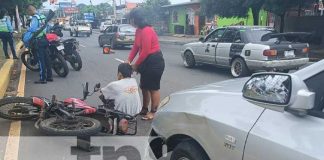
[12, 147]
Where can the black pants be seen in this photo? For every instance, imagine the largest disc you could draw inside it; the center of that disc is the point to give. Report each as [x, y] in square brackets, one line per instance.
[6, 38]
[45, 66]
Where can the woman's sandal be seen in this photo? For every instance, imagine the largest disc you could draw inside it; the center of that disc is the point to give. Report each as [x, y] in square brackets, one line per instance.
[149, 116]
[143, 112]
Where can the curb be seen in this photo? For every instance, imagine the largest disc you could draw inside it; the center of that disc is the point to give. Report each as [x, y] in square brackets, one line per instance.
[5, 72]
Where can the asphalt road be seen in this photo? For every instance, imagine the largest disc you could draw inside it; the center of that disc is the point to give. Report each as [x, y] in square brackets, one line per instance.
[98, 67]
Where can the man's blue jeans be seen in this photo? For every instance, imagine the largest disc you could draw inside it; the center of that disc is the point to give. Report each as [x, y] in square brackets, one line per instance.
[6, 38]
[43, 59]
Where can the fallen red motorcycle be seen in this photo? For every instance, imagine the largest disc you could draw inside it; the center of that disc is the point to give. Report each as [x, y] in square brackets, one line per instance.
[71, 117]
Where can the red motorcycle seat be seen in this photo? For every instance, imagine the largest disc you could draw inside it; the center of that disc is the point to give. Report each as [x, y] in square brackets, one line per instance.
[52, 37]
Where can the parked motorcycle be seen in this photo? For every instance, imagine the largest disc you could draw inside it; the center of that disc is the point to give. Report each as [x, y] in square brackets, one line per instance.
[30, 59]
[71, 47]
[72, 117]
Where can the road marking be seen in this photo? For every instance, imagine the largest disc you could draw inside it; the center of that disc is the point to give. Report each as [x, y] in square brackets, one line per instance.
[82, 46]
[12, 147]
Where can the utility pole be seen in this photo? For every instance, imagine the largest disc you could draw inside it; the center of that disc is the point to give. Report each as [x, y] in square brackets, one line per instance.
[114, 7]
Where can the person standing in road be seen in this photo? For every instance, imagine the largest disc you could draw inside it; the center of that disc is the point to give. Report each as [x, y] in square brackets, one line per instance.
[6, 34]
[40, 44]
[150, 62]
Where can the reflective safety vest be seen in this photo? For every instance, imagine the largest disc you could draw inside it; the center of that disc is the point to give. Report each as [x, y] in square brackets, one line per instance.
[41, 22]
[3, 25]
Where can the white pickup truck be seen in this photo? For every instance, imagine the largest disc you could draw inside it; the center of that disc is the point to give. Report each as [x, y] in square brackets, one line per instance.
[79, 28]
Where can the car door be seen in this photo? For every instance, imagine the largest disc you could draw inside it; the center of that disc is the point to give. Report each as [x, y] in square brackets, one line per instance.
[237, 45]
[211, 44]
[224, 46]
[284, 136]
[107, 35]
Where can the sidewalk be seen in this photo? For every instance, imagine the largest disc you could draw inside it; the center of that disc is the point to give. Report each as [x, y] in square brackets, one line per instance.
[178, 39]
[5, 71]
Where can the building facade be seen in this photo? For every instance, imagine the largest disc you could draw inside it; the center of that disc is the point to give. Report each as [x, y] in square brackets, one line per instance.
[185, 18]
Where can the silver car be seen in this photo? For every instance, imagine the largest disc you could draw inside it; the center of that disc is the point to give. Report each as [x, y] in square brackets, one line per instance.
[246, 49]
[270, 116]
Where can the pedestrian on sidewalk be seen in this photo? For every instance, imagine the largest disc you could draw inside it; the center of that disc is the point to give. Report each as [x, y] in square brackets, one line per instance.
[6, 34]
[150, 62]
[39, 44]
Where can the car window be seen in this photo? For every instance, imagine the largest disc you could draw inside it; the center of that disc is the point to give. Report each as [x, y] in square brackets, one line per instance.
[255, 35]
[115, 29]
[108, 29]
[216, 35]
[314, 85]
[238, 38]
[228, 36]
[128, 29]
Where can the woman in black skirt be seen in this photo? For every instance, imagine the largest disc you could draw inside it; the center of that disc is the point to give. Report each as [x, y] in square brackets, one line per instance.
[150, 62]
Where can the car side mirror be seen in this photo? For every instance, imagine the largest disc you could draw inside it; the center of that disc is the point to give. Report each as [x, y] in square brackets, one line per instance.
[269, 88]
[201, 39]
[85, 90]
[304, 101]
[282, 90]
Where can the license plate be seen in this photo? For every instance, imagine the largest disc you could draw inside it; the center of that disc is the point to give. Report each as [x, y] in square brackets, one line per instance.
[290, 54]
[61, 47]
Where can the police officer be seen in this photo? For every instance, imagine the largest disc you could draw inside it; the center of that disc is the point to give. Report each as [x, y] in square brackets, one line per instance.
[40, 45]
[6, 34]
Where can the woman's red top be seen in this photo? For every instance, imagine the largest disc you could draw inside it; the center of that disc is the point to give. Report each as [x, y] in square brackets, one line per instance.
[146, 43]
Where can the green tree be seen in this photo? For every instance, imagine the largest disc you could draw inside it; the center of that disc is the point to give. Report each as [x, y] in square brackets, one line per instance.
[155, 10]
[256, 6]
[10, 5]
[101, 10]
[224, 8]
[280, 8]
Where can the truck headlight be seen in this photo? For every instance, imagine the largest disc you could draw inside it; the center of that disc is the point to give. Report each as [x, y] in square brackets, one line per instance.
[164, 101]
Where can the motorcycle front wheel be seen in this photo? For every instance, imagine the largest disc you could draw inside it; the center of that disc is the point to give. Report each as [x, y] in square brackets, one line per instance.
[76, 61]
[59, 65]
[30, 61]
[79, 126]
[18, 108]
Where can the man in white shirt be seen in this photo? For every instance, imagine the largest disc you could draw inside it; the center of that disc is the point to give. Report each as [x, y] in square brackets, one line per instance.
[124, 92]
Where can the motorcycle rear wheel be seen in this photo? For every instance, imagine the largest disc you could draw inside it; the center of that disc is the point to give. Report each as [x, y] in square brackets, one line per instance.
[59, 65]
[80, 126]
[21, 108]
[76, 61]
[29, 61]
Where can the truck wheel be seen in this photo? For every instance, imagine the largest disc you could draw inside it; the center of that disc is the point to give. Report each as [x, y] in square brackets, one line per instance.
[189, 150]
[189, 59]
[239, 68]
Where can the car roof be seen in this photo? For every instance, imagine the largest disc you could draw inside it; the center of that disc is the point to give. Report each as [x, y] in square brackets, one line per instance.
[249, 27]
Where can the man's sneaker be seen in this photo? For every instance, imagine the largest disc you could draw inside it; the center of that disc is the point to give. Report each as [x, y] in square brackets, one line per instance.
[49, 79]
[40, 82]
